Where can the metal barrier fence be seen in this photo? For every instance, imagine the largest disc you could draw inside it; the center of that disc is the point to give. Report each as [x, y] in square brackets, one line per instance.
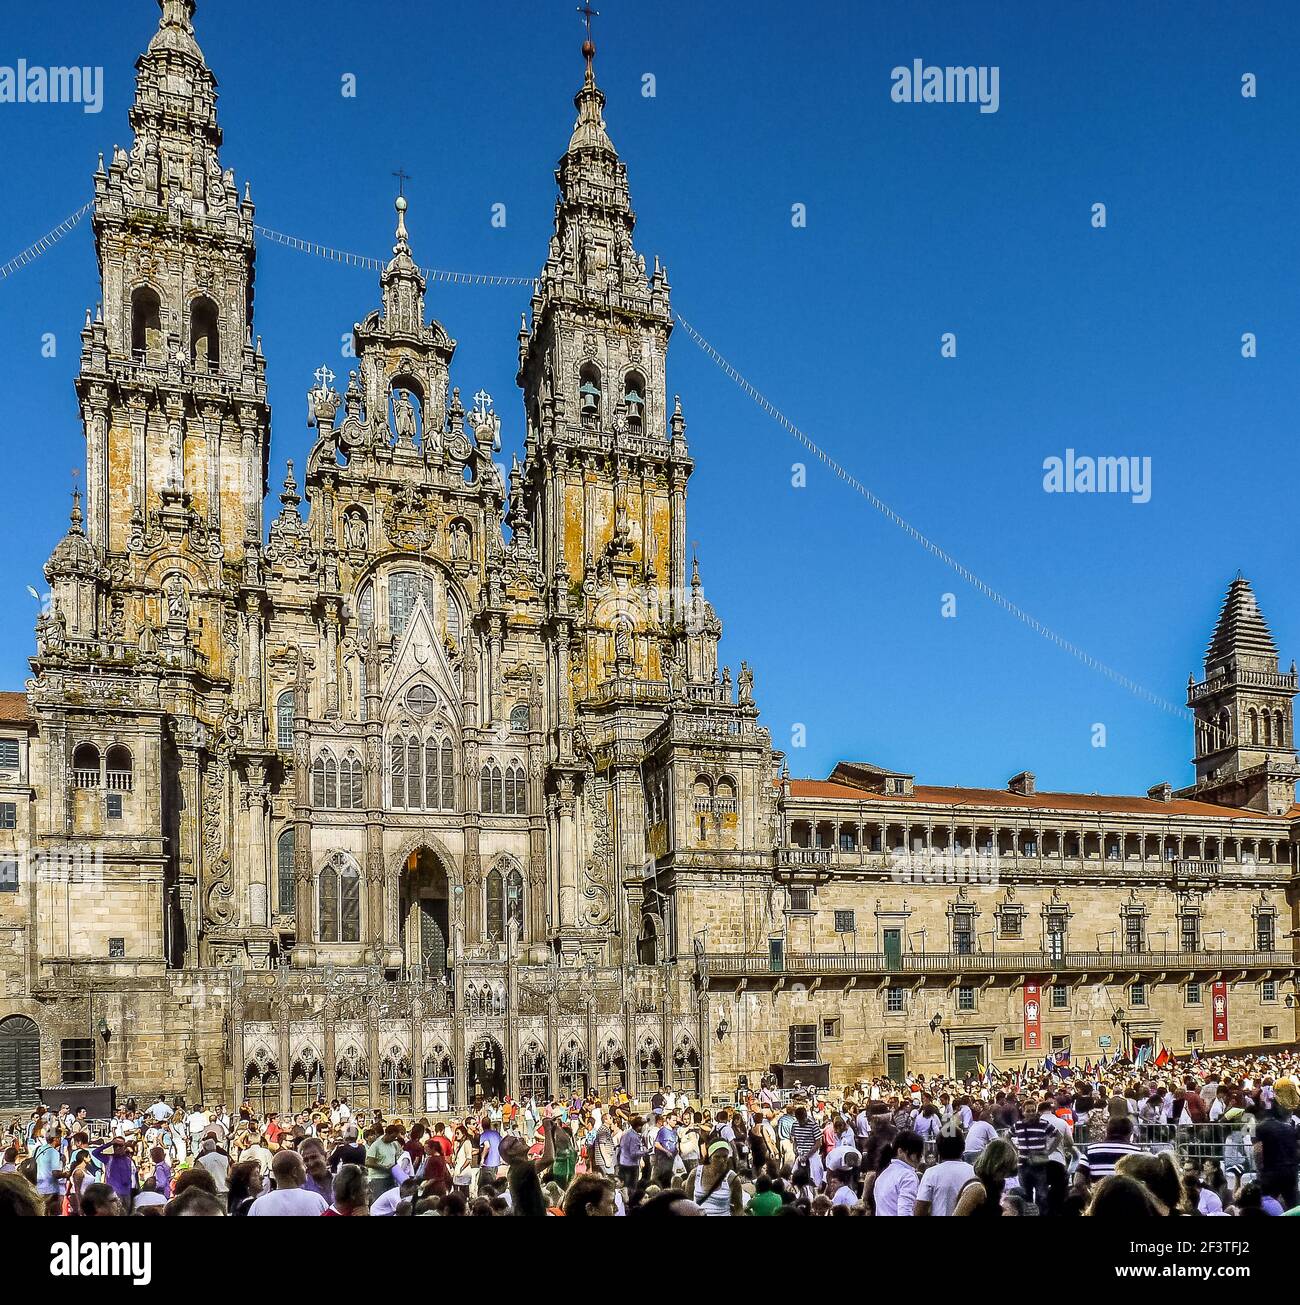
[1230, 1144]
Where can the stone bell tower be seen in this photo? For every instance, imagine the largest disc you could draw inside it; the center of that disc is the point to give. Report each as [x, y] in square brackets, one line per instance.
[604, 479]
[1245, 744]
[172, 386]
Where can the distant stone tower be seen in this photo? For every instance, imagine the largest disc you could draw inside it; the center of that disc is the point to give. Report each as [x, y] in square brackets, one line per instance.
[1245, 745]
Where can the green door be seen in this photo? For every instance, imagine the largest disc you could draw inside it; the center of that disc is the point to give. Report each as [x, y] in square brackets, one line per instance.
[966, 1059]
[894, 949]
[894, 1067]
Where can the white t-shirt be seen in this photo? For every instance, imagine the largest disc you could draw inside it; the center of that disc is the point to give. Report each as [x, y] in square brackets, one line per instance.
[296, 1201]
[941, 1184]
[386, 1202]
[980, 1135]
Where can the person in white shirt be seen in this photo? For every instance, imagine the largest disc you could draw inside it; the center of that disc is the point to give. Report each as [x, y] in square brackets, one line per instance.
[289, 1196]
[894, 1192]
[161, 1111]
[942, 1183]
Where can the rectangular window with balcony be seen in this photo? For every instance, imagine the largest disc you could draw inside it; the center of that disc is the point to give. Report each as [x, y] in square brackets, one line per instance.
[1193, 994]
[894, 1001]
[1189, 931]
[1265, 931]
[8, 815]
[1056, 936]
[1137, 994]
[848, 841]
[965, 998]
[1011, 922]
[803, 1043]
[1060, 997]
[776, 955]
[844, 922]
[77, 1060]
[1134, 931]
[963, 932]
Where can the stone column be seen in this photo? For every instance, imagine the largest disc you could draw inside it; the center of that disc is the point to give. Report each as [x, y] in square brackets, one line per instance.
[566, 802]
[677, 517]
[417, 1055]
[331, 659]
[256, 800]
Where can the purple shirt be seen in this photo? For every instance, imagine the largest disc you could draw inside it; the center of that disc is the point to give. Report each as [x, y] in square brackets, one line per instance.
[119, 1171]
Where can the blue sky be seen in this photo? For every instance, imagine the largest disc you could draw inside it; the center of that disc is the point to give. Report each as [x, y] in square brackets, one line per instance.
[921, 219]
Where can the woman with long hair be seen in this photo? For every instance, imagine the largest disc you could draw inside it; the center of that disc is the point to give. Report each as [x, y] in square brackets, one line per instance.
[717, 1186]
[982, 1195]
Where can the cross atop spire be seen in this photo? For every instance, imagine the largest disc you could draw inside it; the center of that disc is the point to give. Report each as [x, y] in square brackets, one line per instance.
[588, 13]
[402, 178]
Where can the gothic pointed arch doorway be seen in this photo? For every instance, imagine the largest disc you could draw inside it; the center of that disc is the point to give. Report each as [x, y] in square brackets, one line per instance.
[485, 1076]
[425, 914]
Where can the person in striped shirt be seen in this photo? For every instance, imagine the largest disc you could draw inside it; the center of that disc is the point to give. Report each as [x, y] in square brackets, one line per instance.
[1100, 1158]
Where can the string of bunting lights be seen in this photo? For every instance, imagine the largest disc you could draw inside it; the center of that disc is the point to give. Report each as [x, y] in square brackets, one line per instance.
[346, 259]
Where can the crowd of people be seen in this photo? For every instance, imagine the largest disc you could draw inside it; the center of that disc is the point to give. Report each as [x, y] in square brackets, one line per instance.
[1220, 1136]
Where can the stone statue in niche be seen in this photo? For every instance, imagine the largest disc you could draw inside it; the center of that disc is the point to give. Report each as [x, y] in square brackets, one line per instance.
[458, 537]
[404, 416]
[178, 604]
[355, 533]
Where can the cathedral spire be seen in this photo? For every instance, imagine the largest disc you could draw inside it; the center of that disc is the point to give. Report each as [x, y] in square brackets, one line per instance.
[403, 286]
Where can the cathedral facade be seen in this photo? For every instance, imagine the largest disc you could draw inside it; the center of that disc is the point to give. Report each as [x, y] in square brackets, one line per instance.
[432, 786]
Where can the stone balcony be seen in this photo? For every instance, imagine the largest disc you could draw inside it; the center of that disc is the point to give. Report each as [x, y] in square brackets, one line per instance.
[831, 964]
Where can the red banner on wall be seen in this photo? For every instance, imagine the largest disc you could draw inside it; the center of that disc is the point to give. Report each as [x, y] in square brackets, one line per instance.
[1033, 1017]
[1219, 1007]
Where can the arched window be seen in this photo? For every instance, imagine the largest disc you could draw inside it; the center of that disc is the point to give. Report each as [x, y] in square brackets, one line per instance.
[85, 766]
[611, 1070]
[284, 848]
[395, 1082]
[514, 904]
[262, 1083]
[448, 777]
[519, 718]
[726, 796]
[573, 1070]
[496, 906]
[1253, 717]
[634, 397]
[650, 1069]
[205, 352]
[307, 1081]
[589, 395]
[146, 325]
[325, 781]
[352, 795]
[1279, 729]
[534, 1072]
[1268, 730]
[117, 768]
[351, 1076]
[414, 788]
[404, 587]
[491, 789]
[516, 800]
[284, 721]
[686, 1067]
[339, 896]
[432, 786]
[397, 771]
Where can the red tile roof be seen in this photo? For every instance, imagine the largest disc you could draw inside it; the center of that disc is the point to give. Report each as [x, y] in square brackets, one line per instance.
[997, 797]
[14, 710]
